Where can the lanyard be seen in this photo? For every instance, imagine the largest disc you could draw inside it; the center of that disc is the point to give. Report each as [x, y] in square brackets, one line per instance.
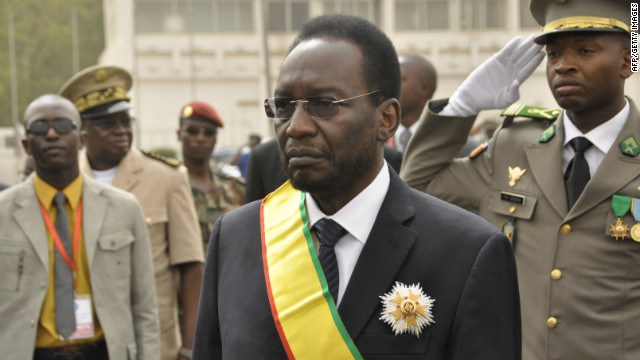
[56, 237]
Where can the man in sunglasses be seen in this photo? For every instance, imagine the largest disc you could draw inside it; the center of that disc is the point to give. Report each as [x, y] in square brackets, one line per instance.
[77, 276]
[214, 193]
[159, 184]
[345, 261]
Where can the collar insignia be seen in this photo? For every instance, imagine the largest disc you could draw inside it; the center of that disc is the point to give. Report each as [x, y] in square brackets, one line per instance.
[407, 309]
[629, 146]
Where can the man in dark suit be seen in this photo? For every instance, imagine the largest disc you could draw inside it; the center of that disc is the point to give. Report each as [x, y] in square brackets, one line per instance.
[345, 260]
[265, 172]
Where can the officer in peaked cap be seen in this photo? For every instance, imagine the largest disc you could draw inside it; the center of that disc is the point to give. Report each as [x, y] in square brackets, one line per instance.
[563, 188]
[214, 193]
[161, 187]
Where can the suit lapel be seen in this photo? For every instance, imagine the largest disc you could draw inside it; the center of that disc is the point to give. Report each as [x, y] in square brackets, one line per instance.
[546, 165]
[129, 171]
[382, 257]
[93, 213]
[616, 170]
[28, 216]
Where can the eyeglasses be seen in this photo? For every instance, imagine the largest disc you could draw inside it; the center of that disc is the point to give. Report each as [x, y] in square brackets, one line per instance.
[194, 131]
[109, 122]
[323, 107]
[41, 128]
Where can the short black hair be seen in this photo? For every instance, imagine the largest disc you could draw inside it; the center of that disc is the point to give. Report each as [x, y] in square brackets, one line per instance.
[381, 69]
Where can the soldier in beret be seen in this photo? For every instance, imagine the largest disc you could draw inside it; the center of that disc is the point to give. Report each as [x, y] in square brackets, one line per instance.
[161, 187]
[565, 191]
[214, 193]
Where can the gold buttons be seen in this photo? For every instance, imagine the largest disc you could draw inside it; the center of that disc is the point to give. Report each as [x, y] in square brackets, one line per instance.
[148, 220]
[113, 243]
[552, 322]
[565, 229]
[118, 262]
[512, 209]
[556, 274]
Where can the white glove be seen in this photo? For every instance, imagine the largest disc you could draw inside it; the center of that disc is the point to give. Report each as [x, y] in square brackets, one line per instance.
[495, 83]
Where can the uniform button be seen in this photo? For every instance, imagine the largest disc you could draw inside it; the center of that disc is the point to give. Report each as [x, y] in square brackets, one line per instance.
[512, 210]
[42, 285]
[565, 229]
[113, 243]
[148, 220]
[552, 322]
[33, 322]
[556, 274]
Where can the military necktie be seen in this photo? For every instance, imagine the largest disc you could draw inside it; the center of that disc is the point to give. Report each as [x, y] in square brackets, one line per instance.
[577, 174]
[329, 232]
[404, 139]
[65, 314]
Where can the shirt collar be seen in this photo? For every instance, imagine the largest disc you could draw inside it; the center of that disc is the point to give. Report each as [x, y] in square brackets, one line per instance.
[604, 135]
[46, 192]
[359, 214]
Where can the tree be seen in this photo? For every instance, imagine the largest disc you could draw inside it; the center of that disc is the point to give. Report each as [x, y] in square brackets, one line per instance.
[43, 46]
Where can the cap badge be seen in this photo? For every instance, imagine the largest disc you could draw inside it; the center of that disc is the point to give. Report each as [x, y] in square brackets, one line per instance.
[407, 309]
[101, 75]
[515, 174]
[188, 111]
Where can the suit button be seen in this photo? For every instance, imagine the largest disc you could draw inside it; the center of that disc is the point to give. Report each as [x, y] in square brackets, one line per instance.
[552, 322]
[113, 244]
[33, 322]
[565, 229]
[512, 209]
[556, 274]
[42, 285]
[148, 220]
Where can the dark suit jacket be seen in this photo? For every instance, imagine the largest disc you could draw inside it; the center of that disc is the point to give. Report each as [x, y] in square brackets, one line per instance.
[460, 260]
[265, 173]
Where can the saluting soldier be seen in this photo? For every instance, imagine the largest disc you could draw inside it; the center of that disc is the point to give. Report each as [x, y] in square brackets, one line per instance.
[161, 187]
[214, 193]
[565, 190]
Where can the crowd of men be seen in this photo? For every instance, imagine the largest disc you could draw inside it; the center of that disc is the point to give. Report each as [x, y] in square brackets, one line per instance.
[350, 244]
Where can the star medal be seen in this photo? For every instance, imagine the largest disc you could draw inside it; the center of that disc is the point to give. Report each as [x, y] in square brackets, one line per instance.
[407, 309]
[635, 211]
[620, 205]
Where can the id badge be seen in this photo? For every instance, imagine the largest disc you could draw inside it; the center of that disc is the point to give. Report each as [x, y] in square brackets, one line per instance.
[84, 318]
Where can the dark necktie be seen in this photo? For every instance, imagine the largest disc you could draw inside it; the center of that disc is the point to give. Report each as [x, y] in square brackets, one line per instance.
[65, 314]
[329, 232]
[577, 174]
[404, 139]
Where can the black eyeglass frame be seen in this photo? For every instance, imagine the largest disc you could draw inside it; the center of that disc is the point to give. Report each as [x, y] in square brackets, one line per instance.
[313, 104]
[195, 130]
[62, 126]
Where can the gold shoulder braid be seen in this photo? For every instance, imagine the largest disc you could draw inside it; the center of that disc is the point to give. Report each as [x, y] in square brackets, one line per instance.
[165, 159]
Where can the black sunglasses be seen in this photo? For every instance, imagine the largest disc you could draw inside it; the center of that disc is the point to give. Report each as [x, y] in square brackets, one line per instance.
[194, 130]
[41, 128]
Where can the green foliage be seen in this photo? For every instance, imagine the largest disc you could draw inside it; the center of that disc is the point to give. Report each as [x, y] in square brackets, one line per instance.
[43, 47]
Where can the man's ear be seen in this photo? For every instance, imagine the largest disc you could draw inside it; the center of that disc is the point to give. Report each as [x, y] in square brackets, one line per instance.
[25, 146]
[83, 135]
[625, 71]
[390, 119]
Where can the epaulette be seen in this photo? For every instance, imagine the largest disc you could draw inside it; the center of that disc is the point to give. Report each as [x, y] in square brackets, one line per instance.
[533, 112]
[165, 159]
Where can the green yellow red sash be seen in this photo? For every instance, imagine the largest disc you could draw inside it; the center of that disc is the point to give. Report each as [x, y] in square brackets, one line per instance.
[304, 311]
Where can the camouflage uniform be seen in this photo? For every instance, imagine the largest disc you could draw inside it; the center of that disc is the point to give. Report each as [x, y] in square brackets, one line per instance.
[226, 194]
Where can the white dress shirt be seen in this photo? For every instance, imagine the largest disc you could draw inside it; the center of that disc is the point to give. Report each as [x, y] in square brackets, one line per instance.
[357, 217]
[602, 138]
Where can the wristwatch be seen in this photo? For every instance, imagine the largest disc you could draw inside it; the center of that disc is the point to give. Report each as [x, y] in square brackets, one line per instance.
[185, 352]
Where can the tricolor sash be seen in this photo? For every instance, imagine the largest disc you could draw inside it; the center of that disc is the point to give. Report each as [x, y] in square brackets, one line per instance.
[303, 310]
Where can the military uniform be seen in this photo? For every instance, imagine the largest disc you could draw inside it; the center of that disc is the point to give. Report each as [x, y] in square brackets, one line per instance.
[226, 194]
[579, 286]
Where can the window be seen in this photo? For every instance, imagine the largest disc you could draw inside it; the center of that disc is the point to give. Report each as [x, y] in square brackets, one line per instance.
[368, 9]
[287, 15]
[482, 14]
[422, 15]
[193, 15]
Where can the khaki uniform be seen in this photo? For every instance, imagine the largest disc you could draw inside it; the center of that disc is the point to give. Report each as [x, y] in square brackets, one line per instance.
[579, 287]
[163, 194]
[226, 194]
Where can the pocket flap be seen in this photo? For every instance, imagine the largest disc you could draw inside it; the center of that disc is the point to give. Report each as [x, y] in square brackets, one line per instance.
[116, 241]
[510, 203]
